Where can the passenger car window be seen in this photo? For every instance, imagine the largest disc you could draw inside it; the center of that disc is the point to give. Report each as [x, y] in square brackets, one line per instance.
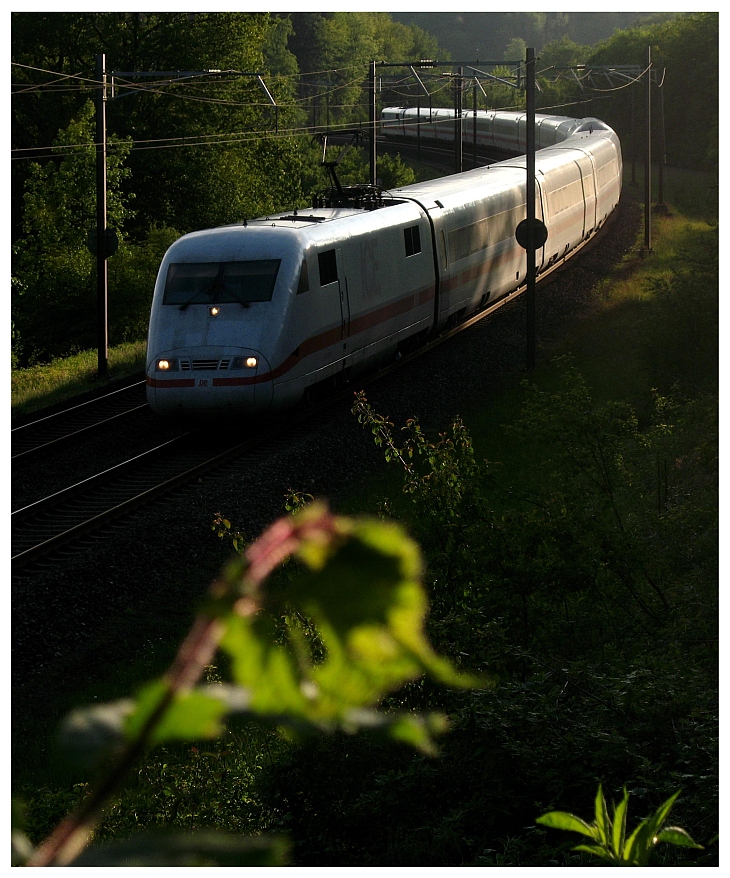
[468, 239]
[327, 267]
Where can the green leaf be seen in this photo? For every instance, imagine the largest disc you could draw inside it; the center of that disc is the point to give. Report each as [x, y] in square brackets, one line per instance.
[418, 730]
[644, 837]
[188, 849]
[564, 820]
[619, 825]
[639, 845]
[657, 819]
[360, 582]
[596, 849]
[190, 715]
[367, 600]
[264, 667]
[677, 836]
[363, 594]
[603, 822]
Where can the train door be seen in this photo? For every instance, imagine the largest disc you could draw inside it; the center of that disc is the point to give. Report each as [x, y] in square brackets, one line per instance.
[334, 308]
[344, 294]
[539, 215]
[445, 298]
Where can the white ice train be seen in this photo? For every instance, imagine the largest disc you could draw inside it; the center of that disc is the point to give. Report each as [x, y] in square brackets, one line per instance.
[248, 318]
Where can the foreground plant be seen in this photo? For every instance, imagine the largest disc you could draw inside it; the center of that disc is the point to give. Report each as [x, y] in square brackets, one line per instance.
[360, 589]
[608, 836]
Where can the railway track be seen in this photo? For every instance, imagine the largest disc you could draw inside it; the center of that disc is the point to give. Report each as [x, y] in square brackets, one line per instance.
[87, 507]
[56, 522]
[77, 421]
[91, 505]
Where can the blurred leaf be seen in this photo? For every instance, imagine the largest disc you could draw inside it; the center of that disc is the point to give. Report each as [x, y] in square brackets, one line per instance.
[189, 849]
[20, 846]
[264, 667]
[88, 734]
[191, 715]
[363, 594]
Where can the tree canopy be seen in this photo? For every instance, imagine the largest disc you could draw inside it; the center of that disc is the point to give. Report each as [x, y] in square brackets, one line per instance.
[210, 118]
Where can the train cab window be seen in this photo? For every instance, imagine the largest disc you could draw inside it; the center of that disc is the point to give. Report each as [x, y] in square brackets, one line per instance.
[412, 237]
[303, 286]
[327, 267]
[190, 283]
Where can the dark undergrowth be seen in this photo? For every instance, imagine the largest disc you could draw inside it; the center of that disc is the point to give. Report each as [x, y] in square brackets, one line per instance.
[584, 577]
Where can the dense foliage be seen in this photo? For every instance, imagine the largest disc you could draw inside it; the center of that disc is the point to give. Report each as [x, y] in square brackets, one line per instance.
[685, 57]
[591, 593]
[469, 36]
[313, 655]
[210, 149]
[183, 153]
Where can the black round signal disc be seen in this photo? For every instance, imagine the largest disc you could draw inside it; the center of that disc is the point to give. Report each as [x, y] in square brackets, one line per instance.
[541, 234]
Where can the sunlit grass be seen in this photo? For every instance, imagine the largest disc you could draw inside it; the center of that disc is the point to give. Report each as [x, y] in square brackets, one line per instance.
[45, 385]
[613, 349]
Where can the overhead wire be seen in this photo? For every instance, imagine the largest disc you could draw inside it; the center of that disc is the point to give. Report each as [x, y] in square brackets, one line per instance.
[438, 83]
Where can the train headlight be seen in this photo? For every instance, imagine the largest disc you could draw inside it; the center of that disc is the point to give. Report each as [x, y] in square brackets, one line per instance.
[245, 362]
[165, 365]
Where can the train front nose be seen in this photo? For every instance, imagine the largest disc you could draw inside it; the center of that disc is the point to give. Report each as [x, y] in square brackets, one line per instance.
[209, 382]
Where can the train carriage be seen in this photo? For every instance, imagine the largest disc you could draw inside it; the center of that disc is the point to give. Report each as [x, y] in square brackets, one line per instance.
[248, 317]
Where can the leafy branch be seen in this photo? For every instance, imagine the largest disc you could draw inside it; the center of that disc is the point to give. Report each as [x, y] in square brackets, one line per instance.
[360, 587]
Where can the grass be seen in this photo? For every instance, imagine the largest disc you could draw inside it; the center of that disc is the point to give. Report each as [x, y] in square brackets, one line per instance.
[42, 386]
[613, 349]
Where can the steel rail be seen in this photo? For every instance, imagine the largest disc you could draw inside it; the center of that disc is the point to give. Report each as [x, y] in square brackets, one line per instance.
[55, 421]
[116, 510]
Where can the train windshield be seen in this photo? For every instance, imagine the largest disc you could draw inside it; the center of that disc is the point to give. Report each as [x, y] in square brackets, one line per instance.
[190, 283]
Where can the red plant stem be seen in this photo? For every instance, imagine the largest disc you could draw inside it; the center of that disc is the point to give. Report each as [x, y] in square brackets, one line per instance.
[72, 834]
[196, 652]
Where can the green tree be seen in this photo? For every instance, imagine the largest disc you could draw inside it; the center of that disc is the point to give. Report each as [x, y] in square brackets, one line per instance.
[196, 139]
[685, 56]
[562, 53]
[54, 290]
[515, 50]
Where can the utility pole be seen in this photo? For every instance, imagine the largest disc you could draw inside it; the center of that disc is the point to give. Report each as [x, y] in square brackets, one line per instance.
[101, 244]
[373, 125]
[458, 124]
[530, 183]
[662, 142]
[647, 159]
[474, 125]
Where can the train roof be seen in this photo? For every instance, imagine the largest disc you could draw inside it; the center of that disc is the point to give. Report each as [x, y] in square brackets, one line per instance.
[295, 228]
[443, 190]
